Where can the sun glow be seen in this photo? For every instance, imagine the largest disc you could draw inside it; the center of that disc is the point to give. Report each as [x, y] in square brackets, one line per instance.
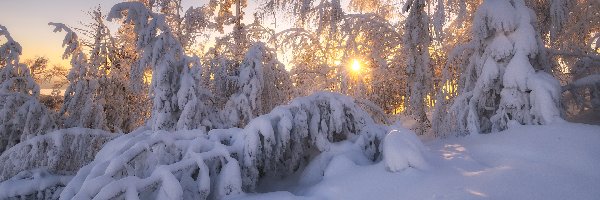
[355, 66]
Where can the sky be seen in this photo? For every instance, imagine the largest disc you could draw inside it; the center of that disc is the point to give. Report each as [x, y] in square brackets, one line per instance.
[27, 22]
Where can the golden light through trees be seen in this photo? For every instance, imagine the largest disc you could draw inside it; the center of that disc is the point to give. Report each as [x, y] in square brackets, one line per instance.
[355, 66]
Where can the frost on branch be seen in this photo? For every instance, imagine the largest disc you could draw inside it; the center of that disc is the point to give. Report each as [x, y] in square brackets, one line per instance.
[192, 164]
[41, 166]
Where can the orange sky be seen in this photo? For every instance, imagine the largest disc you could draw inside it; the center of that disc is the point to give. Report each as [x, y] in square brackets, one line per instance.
[27, 21]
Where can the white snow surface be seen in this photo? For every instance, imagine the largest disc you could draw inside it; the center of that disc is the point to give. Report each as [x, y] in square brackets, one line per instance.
[556, 161]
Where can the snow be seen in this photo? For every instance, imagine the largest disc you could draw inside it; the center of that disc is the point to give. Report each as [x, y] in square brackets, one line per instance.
[556, 161]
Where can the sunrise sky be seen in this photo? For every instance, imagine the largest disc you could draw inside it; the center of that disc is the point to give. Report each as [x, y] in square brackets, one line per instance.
[27, 21]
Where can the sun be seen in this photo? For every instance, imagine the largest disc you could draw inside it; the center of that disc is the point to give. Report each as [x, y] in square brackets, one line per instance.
[355, 66]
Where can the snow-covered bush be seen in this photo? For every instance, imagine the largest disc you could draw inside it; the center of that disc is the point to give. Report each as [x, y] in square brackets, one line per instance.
[403, 149]
[41, 166]
[192, 164]
[22, 116]
[280, 142]
[500, 86]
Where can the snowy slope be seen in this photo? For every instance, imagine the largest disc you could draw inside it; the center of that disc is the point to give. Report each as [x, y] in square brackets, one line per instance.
[530, 162]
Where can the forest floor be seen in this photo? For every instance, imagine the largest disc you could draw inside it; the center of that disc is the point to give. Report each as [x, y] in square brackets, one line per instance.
[557, 161]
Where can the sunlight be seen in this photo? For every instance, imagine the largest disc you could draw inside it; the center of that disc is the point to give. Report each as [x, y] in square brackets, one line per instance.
[355, 66]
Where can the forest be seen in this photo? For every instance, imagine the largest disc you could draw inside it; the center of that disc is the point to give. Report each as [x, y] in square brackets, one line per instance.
[217, 101]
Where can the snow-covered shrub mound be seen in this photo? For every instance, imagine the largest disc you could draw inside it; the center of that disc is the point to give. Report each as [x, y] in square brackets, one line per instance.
[403, 149]
[192, 164]
[281, 142]
[43, 164]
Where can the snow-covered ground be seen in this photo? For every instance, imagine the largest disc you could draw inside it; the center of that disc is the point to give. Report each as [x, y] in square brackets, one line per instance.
[558, 161]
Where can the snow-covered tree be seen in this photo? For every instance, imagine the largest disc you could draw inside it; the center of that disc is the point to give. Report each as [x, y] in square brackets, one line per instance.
[113, 57]
[263, 84]
[574, 60]
[500, 87]
[14, 76]
[160, 51]
[419, 71]
[310, 67]
[22, 116]
[224, 61]
[195, 101]
[83, 106]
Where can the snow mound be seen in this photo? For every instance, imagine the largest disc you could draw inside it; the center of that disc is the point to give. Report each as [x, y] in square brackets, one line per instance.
[193, 164]
[402, 149]
[43, 165]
